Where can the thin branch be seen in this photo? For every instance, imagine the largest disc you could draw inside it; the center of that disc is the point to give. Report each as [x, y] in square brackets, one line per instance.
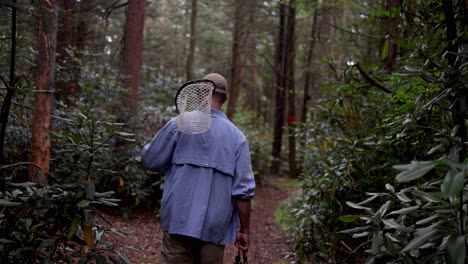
[13, 47]
[346, 246]
[350, 32]
[372, 80]
[333, 68]
[358, 247]
[267, 61]
[11, 87]
[114, 7]
[20, 164]
[9, 3]
[4, 83]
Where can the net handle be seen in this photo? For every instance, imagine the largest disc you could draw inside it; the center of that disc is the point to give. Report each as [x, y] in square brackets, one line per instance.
[190, 83]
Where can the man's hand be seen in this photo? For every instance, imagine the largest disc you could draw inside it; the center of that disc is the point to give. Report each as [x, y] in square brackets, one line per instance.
[242, 241]
[242, 238]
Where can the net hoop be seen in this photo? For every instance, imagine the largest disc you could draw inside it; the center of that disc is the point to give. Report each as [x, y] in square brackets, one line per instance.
[193, 104]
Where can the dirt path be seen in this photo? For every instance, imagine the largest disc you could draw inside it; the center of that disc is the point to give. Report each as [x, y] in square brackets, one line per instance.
[269, 243]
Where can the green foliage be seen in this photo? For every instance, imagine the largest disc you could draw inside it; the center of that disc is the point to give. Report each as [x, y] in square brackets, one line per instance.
[80, 141]
[118, 165]
[55, 223]
[94, 168]
[352, 203]
[379, 13]
[62, 222]
[259, 137]
[418, 223]
[423, 218]
[342, 158]
[282, 216]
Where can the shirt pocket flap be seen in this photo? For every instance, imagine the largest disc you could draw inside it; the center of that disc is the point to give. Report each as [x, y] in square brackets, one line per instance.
[224, 167]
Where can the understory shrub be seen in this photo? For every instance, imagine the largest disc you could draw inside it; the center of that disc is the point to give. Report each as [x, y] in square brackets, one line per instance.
[385, 176]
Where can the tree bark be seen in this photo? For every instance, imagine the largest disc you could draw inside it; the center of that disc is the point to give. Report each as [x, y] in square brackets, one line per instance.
[11, 88]
[465, 18]
[132, 52]
[459, 101]
[280, 92]
[391, 25]
[44, 79]
[67, 29]
[327, 31]
[193, 37]
[309, 78]
[308, 65]
[83, 30]
[451, 31]
[252, 57]
[237, 71]
[66, 36]
[291, 54]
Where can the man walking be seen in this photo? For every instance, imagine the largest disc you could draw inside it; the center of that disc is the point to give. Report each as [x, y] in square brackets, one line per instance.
[208, 186]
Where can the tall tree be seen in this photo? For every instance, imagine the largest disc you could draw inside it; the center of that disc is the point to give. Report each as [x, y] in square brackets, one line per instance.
[132, 52]
[44, 80]
[279, 109]
[370, 53]
[391, 24]
[66, 36]
[193, 37]
[251, 58]
[290, 55]
[327, 28]
[237, 64]
[11, 88]
[459, 101]
[309, 80]
[308, 67]
[66, 30]
[83, 24]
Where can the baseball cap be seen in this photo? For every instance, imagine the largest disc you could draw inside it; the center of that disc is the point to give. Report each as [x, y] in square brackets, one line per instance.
[220, 81]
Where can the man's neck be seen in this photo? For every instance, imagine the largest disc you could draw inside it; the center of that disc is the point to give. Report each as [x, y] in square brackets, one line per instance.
[215, 105]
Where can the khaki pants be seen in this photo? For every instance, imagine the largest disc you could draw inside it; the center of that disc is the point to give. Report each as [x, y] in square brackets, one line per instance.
[188, 250]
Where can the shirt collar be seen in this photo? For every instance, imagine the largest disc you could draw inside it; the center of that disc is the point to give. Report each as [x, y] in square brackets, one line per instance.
[218, 113]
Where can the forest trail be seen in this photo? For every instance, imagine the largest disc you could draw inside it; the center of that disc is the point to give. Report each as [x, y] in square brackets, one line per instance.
[269, 243]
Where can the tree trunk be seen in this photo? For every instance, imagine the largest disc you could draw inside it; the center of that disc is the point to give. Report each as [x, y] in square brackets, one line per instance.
[46, 50]
[67, 29]
[308, 70]
[193, 37]
[83, 30]
[465, 19]
[409, 25]
[66, 36]
[132, 52]
[238, 41]
[290, 38]
[252, 57]
[451, 31]
[327, 31]
[391, 25]
[309, 78]
[459, 101]
[11, 88]
[280, 92]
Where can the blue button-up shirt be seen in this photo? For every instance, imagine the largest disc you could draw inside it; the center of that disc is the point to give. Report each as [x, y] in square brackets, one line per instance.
[205, 174]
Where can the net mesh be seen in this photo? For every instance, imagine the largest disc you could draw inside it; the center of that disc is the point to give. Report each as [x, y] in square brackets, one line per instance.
[194, 104]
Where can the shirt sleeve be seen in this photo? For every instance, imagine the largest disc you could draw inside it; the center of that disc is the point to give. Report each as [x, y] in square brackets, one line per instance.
[244, 181]
[157, 155]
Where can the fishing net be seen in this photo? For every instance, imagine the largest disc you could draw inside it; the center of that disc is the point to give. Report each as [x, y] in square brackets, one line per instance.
[193, 102]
